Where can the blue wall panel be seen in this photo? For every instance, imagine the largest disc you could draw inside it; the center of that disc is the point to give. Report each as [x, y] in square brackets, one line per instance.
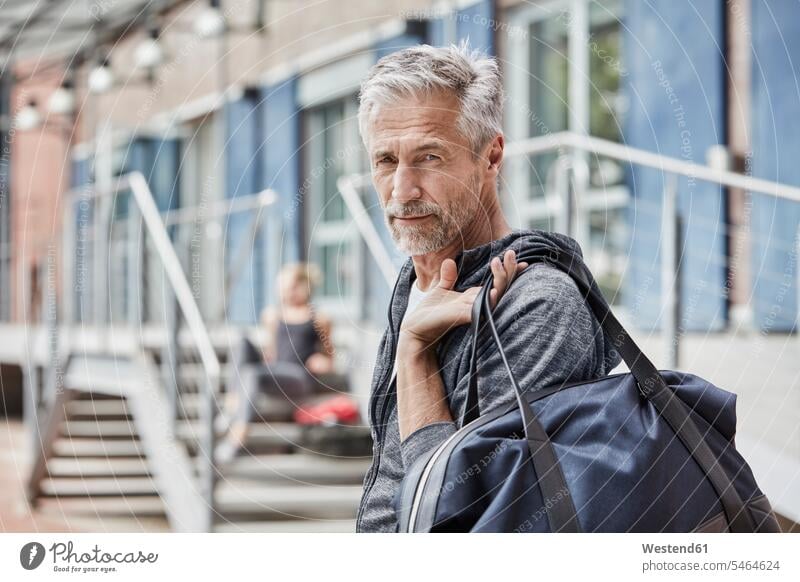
[245, 299]
[475, 23]
[776, 152]
[675, 92]
[157, 159]
[81, 173]
[279, 142]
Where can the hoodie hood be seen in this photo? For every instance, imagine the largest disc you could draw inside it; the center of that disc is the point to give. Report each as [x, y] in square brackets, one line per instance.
[473, 270]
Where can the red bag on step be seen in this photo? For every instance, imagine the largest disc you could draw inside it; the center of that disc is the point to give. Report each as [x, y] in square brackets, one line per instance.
[336, 410]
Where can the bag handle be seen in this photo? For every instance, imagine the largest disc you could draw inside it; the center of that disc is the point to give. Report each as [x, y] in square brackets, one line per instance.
[651, 385]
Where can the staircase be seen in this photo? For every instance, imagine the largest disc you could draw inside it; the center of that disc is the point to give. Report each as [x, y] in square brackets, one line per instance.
[113, 456]
[127, 436]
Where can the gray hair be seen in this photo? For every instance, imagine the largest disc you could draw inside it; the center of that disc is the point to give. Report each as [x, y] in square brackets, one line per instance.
[471, 76]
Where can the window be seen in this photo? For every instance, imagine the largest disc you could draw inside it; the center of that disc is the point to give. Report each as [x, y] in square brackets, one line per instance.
[333, 148]
[566, 76]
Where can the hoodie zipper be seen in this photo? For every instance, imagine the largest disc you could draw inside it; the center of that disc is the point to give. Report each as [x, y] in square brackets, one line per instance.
[373, 474]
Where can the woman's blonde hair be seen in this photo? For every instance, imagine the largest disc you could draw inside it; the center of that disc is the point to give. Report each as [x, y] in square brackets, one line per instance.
[304, 273]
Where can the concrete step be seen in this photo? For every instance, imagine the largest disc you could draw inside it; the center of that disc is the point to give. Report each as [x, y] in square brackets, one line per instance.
[106, 409]
[242, 500]
[100, 507]
[298, 469]
[260, 433]
[289, 526]
[81, 467]
[269, 408]
[107, 429]
[96, 447]
[272, 437]
[98, 486]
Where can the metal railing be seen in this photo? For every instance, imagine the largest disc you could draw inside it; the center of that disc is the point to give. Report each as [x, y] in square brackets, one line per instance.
[567, 194]
[148, 236]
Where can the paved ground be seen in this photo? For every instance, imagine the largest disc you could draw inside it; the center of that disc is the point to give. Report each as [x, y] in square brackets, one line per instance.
[14, 512]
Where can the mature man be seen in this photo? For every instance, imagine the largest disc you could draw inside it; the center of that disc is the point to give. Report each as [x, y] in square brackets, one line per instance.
[431, 120]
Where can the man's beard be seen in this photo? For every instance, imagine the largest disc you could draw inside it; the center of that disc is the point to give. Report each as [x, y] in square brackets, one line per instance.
[445, 224]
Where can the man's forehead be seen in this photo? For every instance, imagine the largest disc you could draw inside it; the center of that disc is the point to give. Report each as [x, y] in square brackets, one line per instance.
[410, 141]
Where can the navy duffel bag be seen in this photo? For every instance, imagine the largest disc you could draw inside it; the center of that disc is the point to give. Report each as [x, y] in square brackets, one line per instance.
[644, 451]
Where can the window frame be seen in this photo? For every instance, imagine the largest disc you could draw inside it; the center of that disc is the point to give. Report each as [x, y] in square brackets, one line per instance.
[341, 233]
[523, 209]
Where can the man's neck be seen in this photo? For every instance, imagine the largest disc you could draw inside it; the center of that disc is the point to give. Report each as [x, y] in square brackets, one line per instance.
[480, 232]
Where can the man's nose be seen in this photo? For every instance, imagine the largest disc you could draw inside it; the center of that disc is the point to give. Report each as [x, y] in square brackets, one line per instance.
[406, 184]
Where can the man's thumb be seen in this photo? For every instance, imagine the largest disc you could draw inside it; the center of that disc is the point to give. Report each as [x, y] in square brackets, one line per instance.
[447, 274]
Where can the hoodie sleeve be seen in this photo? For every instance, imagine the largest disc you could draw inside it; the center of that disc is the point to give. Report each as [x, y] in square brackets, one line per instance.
[549, 335]
[424, 439]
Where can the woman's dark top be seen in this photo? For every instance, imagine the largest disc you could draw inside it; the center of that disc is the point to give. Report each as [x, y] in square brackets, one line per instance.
[297, 341]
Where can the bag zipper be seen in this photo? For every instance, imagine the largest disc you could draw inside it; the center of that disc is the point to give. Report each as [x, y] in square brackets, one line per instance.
[423, 480]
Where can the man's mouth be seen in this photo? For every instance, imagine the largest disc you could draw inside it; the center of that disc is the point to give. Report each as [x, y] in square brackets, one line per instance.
[411, 219]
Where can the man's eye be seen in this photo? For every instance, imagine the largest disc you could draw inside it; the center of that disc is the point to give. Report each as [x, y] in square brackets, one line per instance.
[431, 157]
[383, 161]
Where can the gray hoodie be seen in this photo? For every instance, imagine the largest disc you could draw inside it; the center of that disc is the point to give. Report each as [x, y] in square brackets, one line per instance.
[549, 334]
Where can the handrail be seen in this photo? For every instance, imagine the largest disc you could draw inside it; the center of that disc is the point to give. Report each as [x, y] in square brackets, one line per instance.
[136, 183]
[348, 185]
[215, 209]
[570, 141]
[174, 271]
[194, 321]
[626, 153]
[222, 208]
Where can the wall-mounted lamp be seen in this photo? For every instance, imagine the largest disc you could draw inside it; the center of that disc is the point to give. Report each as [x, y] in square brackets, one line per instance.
[210, 23]
[101, 77]
[62, 101]
[28, 118]
[149, 53]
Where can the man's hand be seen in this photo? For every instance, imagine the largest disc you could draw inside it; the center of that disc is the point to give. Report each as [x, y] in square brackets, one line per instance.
[442, 309]
[420, 393]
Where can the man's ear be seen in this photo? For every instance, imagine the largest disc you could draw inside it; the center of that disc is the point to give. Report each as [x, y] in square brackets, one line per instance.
[494, 154]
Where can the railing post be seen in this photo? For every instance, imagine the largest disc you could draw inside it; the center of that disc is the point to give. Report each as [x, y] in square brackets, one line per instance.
[670, 271]
[563, 223]
[134, 252]
[169, 353]
[579, 220]
[50, 320]
[32, 406]
[104, 207]
[797, 281]
[208, 470]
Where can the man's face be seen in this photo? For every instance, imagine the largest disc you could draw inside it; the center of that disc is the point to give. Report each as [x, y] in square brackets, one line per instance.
[427, 180]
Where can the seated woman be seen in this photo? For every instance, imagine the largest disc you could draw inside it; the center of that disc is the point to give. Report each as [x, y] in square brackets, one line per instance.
[297, 351]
